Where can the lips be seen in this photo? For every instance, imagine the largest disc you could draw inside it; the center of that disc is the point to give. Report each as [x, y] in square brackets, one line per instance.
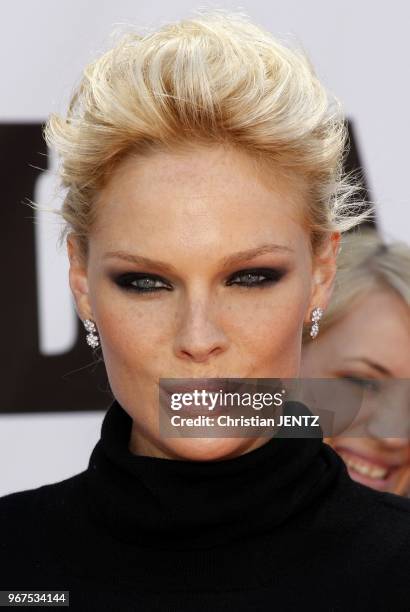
[368, 470]
[209, 386]
[213, 384]
[205, 384]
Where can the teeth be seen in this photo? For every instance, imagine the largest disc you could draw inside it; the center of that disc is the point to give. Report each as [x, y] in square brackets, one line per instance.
[366, 469]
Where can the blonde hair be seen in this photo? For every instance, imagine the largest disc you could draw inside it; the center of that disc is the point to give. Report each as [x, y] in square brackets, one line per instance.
[215, 78]
[366, 262]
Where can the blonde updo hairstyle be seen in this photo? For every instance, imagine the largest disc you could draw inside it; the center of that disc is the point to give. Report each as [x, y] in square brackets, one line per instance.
[213, 79]
[366, 262]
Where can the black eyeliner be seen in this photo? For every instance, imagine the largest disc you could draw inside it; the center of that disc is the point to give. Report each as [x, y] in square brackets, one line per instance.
[124, 281]
[272, 275]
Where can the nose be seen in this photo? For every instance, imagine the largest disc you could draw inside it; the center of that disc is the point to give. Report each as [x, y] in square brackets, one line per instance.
[199, 336]
[396, 442]
[389, 415]
[378, 428]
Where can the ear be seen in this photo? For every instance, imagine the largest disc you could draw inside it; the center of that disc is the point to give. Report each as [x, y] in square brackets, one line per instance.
[323, 273]
[78, 278]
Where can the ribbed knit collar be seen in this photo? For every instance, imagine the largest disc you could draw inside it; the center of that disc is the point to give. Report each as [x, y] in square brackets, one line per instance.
[186, 505]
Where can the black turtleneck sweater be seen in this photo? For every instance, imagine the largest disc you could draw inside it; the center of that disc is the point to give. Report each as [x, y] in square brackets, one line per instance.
[280, 528]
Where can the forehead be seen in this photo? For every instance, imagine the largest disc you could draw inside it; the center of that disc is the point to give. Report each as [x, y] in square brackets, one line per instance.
[201, 189]
[377, 327]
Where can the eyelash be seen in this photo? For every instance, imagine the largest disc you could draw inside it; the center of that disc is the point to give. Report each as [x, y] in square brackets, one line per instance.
[371, 385]
[271, 275]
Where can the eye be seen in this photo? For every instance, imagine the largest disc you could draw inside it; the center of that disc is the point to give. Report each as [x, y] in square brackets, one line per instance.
[150, 283]
[257, 277]
[365, 383]
[141, 283]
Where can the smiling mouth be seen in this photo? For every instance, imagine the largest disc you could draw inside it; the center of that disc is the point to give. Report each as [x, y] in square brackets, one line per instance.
[361, 467]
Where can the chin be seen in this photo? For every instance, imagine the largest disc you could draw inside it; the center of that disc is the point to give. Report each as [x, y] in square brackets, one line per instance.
[210, 449]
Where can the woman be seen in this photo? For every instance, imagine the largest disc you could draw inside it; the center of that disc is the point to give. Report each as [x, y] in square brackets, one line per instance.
[204, 209]
[370, 308]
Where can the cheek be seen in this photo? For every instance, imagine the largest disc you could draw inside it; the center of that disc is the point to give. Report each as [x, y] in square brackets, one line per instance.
[272, 329]
[132, 338]
[268, 329]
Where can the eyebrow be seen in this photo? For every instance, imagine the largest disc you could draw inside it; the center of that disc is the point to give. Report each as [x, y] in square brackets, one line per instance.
[238, 257]
[372, 364]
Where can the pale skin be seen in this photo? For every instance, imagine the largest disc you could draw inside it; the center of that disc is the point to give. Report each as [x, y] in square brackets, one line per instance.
[191, 212]
[371, 341]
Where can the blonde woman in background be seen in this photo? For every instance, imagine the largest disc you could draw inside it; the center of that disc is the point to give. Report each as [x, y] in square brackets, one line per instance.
[365, 334]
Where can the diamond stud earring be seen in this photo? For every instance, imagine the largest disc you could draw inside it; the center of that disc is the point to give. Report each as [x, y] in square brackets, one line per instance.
[315, 318]
[92, 337]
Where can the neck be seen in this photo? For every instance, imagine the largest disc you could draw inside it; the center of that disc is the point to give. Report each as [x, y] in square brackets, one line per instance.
[197, 504]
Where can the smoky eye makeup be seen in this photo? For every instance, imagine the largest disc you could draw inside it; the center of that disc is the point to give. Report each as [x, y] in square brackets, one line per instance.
[140, 282]
[247, 278]
[256, 277]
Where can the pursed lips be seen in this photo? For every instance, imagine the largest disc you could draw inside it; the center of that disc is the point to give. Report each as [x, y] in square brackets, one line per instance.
[212, 387]
[202, 384]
